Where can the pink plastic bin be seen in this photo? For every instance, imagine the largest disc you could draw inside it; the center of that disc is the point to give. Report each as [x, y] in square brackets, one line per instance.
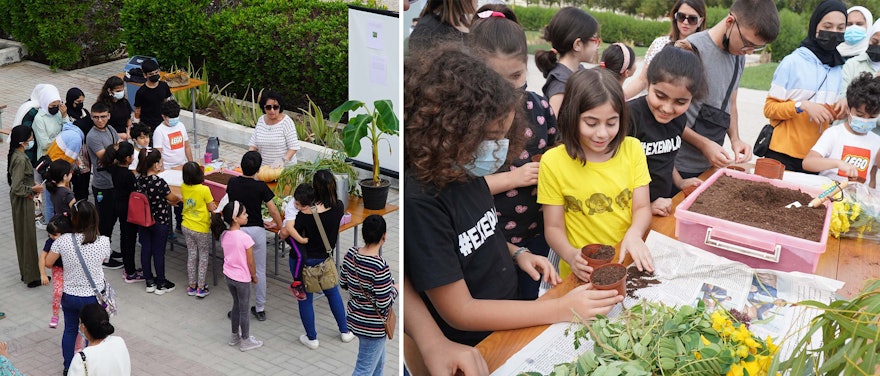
[757, 248]
[219, 190]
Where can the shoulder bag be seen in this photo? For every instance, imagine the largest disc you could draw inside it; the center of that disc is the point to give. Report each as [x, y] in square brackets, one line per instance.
[712, 122]
[389, 320]
[324, 275]
[107, 297]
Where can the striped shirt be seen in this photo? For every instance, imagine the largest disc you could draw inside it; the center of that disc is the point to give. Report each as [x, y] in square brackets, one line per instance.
[273, 141]
[367, 279]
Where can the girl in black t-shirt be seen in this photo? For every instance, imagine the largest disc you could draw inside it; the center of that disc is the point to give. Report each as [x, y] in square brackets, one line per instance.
[119, 157]
[675, 77]
[456, 258]
[153, 238]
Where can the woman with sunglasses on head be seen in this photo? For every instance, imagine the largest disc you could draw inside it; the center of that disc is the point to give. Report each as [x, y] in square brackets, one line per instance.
[82, 253]
[688, 17]
[274, 136]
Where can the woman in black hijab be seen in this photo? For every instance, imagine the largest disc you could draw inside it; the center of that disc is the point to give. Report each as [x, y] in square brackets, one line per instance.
[803, 97]
[74, 101]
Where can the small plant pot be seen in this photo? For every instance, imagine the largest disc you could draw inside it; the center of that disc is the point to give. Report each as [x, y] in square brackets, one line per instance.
[610, 277]
[597, 254]
[536, 157]
[375, 197]
[689, 189]
[769, 168]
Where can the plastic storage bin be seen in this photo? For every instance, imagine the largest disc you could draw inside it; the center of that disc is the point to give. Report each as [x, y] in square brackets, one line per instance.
[755, 247]
[132, 88]
[218, 190]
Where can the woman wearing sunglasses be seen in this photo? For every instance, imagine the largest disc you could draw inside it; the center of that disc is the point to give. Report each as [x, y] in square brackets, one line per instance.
[688, 17]
[274, 136]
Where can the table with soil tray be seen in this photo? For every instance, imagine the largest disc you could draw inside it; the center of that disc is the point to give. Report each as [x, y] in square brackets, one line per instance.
[221, 178]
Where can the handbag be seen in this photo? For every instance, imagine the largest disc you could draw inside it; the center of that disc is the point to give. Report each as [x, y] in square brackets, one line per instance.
[324, 275]
[106, 297]
[390, 319]
[762, 144]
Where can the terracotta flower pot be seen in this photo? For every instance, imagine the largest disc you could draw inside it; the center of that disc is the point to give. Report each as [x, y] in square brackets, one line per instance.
[769, 168]
[610, 277]
[536, 157]
[597, 254]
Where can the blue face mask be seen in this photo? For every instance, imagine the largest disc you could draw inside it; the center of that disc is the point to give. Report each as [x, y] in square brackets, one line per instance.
[29, 145]
[854, 34]
[862, 125]
[173, 121]
[489, 157]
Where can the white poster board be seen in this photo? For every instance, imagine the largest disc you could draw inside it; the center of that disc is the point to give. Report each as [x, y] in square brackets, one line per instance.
[374, 72]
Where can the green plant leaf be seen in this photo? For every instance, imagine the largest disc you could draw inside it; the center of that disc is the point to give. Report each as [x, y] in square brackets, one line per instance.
[351, 105]
[388, 122]
[354, 131]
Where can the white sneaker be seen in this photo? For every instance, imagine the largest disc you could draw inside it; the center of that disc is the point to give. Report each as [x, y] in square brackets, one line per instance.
[250, 343]
[39, 223]
[235, 340]
[310, 343]
[347, 337]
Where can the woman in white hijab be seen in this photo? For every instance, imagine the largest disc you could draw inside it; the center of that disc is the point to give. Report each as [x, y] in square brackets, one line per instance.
[858, 22]
[867, 61]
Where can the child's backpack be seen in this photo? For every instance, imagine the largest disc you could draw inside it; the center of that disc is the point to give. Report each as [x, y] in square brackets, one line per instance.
[139, 210]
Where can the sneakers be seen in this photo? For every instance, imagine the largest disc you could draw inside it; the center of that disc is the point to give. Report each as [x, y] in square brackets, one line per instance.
[151, 286]
[191, 291]
[312, 344]
[298, 290]
[203, 292]
[112, 264]
[347, 337]
[53, 322]
[133, 278]
[235, 340]
[116, 255]
[39, 223]
[250, 343]
[261, 316]
[165, 287]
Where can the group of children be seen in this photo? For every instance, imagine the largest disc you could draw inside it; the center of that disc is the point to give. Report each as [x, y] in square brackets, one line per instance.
[595, 175]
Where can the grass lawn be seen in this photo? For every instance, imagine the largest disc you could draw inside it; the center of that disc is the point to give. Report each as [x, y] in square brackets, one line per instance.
[758, 77]
[537, 43]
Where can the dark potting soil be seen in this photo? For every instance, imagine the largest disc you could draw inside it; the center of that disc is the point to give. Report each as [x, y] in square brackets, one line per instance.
[219, 177]
[761, 205]
[608, 275]
[605, 252]
[636, 280]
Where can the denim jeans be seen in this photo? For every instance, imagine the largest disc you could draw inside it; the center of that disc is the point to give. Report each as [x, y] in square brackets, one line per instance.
[371, 356]
[153, 240]
[48, 208]
[307, 309]
[71, 305]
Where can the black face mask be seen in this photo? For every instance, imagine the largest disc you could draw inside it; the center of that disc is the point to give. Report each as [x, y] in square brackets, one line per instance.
[829, 40]
[53, 110]
[76, 106]
[873, 52]
[155, 77]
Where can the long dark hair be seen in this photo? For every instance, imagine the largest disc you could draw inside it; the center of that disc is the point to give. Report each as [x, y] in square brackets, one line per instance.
[698, 5]
[96, 320]
[566, 26]
[450, 12]
[55, 174]
[20, 134]
[84, 218]
[72, 95]
[105, 96]
[221, 221]
[146, 159]
[325, 188]
[497, 36]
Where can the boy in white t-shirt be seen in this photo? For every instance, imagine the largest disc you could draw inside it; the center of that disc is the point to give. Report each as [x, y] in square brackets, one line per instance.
[170, 137]
[850, 151]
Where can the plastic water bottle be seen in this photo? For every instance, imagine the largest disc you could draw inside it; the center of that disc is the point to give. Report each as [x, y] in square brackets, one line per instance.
[100, 196]
[213, 148]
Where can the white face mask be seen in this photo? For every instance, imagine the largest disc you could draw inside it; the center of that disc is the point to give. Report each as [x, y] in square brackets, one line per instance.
[119, 94]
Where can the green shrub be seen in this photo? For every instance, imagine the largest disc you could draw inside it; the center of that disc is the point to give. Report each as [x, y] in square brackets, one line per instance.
[792, 30]
[714, 15]
[613, 27]
[534, 18]
[159, 29]
[64, 33]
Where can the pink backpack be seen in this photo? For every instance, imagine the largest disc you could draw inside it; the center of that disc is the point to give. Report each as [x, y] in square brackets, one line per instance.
[139, 210]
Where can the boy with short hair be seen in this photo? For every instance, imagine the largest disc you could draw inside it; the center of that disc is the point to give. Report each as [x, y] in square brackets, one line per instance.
[750, 25]
[848, 151]
[171, 139]
[149, 97]
[98, 140]
[140, 137]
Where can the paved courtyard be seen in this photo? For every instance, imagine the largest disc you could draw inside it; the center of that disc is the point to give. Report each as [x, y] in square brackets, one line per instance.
[172, 334]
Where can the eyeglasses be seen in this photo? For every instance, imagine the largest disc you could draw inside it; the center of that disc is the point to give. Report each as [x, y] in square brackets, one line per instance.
[746, 44]
[99, 117]
[595, 38]
[272, 107]
[690, 18]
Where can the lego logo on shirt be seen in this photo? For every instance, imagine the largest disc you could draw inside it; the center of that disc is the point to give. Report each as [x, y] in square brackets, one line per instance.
[859, 157]
[176, 140]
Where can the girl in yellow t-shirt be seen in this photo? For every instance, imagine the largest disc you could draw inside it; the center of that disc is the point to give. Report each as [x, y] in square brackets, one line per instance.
[197, 205]
[594, 187]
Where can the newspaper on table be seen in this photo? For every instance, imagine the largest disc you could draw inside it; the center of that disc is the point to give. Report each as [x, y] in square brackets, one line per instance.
[688, 275]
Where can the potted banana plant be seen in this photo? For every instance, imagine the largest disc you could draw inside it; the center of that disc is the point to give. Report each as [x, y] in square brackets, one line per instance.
[372, 124]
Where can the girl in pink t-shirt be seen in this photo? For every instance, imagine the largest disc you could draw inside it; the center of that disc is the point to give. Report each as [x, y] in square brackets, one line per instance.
[239, 269]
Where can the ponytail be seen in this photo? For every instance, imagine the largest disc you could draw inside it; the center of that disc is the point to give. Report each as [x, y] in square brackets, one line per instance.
[96, 321]
[221, 221]
[55, 174]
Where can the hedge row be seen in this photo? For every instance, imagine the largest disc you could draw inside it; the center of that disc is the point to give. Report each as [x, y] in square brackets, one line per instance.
[296, 47]
[64, 33]
[628, 29]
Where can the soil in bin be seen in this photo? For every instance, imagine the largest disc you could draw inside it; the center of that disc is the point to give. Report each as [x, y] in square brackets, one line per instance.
[605, 252]
[219, 177]
[761, 205]
[608, 275]
[637, 280]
